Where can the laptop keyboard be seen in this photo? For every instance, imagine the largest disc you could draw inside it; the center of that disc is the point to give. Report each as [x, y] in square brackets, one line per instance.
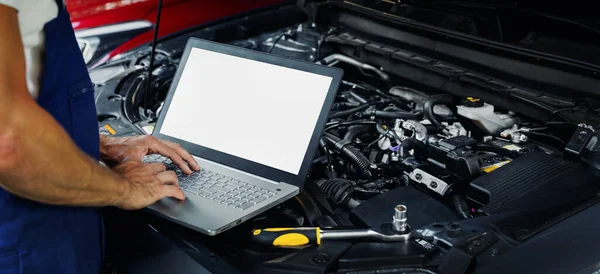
[216, 187]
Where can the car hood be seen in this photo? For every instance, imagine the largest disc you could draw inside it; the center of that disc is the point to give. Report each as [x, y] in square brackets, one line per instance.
[93, 13]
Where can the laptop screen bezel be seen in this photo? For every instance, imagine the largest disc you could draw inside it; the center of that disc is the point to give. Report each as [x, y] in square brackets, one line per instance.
[237, 162]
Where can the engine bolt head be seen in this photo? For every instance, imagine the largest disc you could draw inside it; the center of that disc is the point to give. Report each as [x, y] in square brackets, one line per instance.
[433, 185]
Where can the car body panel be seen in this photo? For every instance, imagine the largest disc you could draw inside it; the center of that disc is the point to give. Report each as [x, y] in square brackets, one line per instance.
[176, 15]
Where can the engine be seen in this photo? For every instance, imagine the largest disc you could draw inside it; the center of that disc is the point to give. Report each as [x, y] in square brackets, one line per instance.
[384, 138]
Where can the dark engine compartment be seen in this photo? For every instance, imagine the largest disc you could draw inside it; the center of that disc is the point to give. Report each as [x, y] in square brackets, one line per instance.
[477, 178]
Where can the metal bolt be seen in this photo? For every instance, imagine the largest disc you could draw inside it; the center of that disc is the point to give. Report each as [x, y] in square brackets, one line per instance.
[494, 252]
[321, 258]
[399, 220]
[523, 138]
[418, 176]
[433, 185]
[453, 230]
[475, 245]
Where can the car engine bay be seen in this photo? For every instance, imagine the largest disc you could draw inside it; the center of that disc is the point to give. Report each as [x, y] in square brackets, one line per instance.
[474, 176]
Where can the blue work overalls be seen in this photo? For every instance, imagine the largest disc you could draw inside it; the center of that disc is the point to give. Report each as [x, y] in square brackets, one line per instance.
[44, 239]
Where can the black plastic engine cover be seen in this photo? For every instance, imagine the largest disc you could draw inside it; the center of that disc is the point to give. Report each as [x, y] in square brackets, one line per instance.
[534, 181]
[385, 255]
[422, 208]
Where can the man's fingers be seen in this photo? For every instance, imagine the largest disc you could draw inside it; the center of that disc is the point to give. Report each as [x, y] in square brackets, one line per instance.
[168, 178]
[172, 191]
[156, 167]
[184, 154]
[167, 151]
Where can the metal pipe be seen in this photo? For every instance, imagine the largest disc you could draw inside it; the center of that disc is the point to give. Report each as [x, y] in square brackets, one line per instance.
[348, 60]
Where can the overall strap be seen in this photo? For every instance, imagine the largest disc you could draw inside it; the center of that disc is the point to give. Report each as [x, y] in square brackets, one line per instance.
[61, 4]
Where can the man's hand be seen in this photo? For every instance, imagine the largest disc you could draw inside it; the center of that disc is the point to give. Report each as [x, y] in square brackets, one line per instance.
[146, 184]
[118, 150]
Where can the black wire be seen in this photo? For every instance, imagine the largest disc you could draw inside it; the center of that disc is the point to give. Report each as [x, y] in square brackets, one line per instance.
[369, 87]
[376, 141]
[548, 136]
[327, 153]
[347, 112]
[153, 51]
[559, 111]
[540, 106]
[364, 106]
[275, 42]
[351, 123]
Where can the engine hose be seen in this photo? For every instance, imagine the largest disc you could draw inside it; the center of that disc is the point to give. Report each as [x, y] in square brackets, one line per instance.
[330, 126]
[461, 207]
[338, 192]
[434, 100]
[350, 153]
[392, 108]
[408, 144]
[353, 131]
[396, 115]
[347, 112]
[342, 113]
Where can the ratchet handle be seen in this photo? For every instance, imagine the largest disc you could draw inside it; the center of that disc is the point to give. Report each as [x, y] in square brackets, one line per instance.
[287, 237]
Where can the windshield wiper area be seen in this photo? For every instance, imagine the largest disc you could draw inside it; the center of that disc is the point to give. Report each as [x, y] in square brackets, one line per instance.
[548, 30]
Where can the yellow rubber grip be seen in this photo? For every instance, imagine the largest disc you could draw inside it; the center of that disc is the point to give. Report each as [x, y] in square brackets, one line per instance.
[287, 237]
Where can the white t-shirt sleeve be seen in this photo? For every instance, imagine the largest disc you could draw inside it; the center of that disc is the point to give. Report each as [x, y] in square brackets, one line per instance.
[33, 15]
[11, 3]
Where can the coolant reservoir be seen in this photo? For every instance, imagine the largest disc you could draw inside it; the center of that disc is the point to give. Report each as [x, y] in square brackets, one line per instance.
[483, 115]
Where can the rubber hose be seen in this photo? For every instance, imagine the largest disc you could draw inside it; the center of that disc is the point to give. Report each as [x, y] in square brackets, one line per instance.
[358, 160]
[396, 115]
[355, 130]
[348, 111]
[461, 207]
[409, 144]
[338, 191]
[434, 100]
[392, 108]
[349, 123]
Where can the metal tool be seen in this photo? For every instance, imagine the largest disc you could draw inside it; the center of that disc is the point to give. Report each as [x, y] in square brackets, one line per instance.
[399, 223]
[397, 231]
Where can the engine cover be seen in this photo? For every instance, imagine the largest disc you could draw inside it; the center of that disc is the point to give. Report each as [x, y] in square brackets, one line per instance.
[534, 181]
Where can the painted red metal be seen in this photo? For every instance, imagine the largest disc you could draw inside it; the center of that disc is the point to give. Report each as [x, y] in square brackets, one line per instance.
[176, 15]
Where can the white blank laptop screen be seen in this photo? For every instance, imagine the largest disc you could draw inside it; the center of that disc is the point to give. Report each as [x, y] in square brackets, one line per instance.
[253, 110]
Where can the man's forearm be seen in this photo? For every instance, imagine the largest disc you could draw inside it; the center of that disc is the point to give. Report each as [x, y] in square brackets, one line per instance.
[38, 161]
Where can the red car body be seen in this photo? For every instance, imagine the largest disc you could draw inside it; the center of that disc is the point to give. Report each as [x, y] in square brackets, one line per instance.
[176, 15]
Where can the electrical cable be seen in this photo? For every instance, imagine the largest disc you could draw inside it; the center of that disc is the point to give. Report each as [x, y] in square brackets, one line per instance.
[347, 112]
[461, 207]
[374, 142]
[350, 153]
[342, 113]
[350, 123]
[275, 42]
[558, 111]
[548, 136]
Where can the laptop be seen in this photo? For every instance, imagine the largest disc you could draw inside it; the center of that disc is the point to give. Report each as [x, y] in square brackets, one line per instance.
[253, 122]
